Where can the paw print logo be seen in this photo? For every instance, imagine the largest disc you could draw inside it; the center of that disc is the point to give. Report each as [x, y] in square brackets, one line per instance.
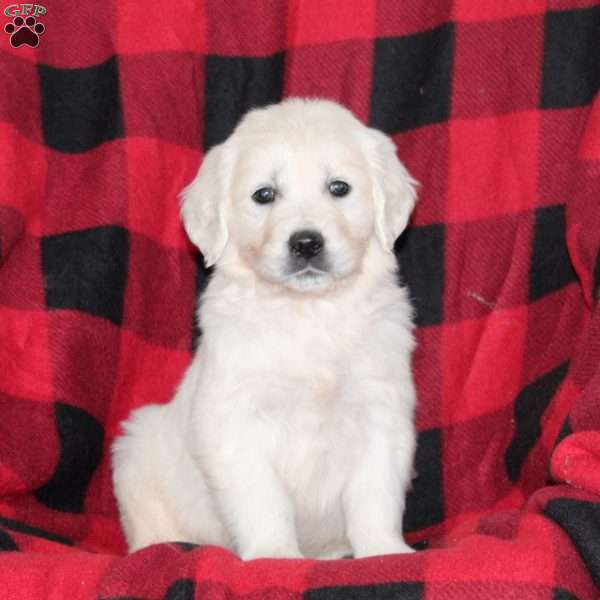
[24, 31]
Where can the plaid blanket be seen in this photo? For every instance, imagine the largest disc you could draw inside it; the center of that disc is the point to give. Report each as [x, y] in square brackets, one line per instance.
[105, 112]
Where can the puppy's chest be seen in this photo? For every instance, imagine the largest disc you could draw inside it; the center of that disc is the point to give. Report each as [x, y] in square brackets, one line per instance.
[318, 431]
[296, 342]
[296, 365]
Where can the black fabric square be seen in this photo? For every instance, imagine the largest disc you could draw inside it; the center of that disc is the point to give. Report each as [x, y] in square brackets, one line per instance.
[551, 267]
[571, 72]
[425, 501]
[420, 252]
[411, 79]
[406, 590]
[203, 276]
[81, 108]
[181, 589]
[81, 438]
[187, 546]
[234, 85]
[530, 406]
[86, 270]
[7, 544]
[20, 527]
[565, 431]
[562, 594]
[581, 521]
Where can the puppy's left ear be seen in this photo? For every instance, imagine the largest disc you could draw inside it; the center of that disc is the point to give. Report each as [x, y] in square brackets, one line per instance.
[394, 190]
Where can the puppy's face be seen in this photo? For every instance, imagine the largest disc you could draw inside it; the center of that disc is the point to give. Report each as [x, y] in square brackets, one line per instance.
[302, 212]
[296, 194]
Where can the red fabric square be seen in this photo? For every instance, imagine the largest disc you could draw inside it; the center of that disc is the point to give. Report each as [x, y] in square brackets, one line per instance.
[583, 227]
[166, 319]
[264, 29]
[159, 26]
[331, 71]
[487, 589]
[481, 361]
[485, 558]
[21, 418]
[160, 99]
[590, 143]
[497, 67]
[424, 151]
[479, 281]
[12, 232]
[77, 37]
[157, 172]
[20, 107]
[23, 170]
[584, 367]
[21, 282]
[147, 374]
[254, 580]
[492, 10]
[85, 189]
[327, 573]
[85, 353]
[321, 21]
[24, 354]
[494, 166]
[552, 331]
[560, 142]
[410, 16]
[103, 535]
[103, 531]
[475, 477]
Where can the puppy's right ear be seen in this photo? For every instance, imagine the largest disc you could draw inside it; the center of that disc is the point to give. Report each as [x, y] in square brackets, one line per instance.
[204, 205]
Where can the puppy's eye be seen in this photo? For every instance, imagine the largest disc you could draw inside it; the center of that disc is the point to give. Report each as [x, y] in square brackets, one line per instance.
[338, 188]
[264, 195]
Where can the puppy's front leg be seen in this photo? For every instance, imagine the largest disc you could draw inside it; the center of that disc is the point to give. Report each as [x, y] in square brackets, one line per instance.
[375, 499]
[256, 508]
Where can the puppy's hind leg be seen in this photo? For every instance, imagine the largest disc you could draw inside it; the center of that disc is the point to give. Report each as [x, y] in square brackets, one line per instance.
[147, 521]
[145, 517]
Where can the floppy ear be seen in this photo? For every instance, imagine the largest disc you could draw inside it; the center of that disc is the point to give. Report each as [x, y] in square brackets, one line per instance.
[394, 190]
[203, 205]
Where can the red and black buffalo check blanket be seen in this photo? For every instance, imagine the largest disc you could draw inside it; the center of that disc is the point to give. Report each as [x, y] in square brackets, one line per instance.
[105, 116]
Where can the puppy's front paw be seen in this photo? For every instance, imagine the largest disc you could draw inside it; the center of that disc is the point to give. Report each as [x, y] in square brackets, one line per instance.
[381, 547]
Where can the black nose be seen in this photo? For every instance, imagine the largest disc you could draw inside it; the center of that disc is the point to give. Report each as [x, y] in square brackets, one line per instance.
[306, 244]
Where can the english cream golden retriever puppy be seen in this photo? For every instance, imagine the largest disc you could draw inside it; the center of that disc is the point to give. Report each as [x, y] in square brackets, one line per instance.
[292, 431]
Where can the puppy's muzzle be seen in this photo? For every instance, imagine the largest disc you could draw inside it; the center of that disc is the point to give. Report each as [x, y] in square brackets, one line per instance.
[306, 244]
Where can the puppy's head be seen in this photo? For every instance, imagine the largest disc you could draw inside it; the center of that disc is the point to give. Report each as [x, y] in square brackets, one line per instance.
[297, 193]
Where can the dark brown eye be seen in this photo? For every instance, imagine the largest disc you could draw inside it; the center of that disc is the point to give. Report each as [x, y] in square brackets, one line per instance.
[264, 195]
[338, 188]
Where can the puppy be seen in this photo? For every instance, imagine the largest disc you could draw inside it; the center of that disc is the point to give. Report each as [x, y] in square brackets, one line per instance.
[292, 431]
